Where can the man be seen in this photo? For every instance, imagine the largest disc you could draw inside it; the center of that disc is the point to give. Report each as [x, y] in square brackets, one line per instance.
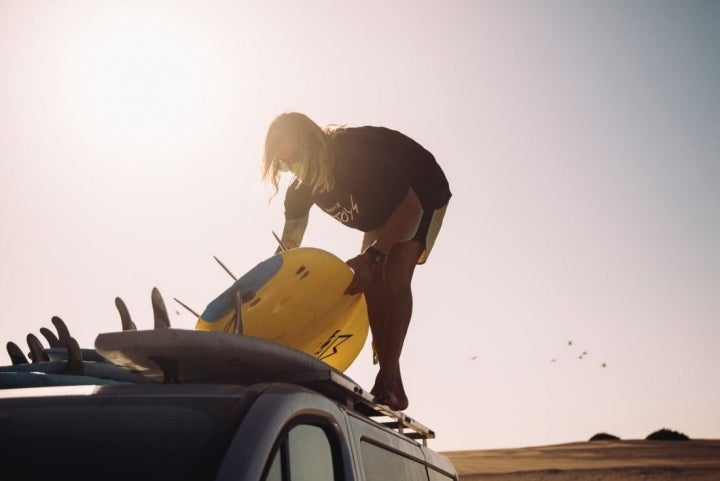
[378, 181]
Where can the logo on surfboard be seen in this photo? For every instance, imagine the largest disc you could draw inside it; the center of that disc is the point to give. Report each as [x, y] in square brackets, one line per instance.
[333, 342]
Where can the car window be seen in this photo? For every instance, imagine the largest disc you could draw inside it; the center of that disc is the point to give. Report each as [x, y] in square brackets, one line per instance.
[275, 472]
[381, 464]
[305, 454]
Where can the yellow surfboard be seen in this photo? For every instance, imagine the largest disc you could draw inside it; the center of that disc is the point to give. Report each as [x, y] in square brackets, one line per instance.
[296, 298]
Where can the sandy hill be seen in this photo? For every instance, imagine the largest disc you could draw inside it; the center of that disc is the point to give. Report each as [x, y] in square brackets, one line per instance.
[696, 460]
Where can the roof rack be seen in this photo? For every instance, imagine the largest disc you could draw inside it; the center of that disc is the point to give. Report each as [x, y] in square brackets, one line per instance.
[344, 390]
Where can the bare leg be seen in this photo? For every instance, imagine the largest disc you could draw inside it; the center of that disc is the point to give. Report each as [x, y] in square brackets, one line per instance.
[389, 300]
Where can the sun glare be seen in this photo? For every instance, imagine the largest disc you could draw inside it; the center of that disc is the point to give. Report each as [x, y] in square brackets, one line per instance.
[143, 82]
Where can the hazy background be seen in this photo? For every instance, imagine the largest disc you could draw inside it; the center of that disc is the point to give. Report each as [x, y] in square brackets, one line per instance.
[581, 140]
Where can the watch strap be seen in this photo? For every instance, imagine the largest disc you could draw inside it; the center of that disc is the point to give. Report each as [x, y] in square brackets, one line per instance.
[375, 255]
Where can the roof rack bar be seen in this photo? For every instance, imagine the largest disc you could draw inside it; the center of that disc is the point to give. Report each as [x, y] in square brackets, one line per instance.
[361, 401]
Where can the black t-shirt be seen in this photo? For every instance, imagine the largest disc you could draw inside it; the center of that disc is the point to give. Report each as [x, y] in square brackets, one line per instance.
[374, 168]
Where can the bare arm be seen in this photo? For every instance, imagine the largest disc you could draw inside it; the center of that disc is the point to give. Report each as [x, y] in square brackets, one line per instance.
[293, 232]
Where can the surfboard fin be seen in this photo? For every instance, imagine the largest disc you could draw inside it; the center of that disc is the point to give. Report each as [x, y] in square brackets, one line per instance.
[74, 357]
[162, 320]
[74, 354]
[62, 330]
[50, 337]
[37, 351]
[16, 354]
[125, 319]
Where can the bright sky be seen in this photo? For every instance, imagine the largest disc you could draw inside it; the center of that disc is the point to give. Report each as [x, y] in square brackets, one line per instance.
[581, 140]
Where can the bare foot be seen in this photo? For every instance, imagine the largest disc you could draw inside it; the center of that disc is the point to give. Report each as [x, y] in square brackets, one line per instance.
[401, 403]
[393, 400]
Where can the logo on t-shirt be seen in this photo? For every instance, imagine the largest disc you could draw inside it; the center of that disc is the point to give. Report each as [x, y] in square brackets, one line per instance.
[342, 213]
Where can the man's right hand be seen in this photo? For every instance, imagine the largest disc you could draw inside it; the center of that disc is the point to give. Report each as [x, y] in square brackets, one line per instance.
[363, 268]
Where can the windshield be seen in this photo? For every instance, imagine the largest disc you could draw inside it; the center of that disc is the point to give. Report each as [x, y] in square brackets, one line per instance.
[177, 435]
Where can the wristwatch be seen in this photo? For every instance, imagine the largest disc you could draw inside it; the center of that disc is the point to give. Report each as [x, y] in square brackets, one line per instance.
[375, 255]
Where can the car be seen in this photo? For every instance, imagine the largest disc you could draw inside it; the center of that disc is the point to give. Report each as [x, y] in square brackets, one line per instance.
[191, 405]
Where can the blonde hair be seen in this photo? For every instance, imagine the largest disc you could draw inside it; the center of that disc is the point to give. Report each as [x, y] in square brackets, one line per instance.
[314, 163]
